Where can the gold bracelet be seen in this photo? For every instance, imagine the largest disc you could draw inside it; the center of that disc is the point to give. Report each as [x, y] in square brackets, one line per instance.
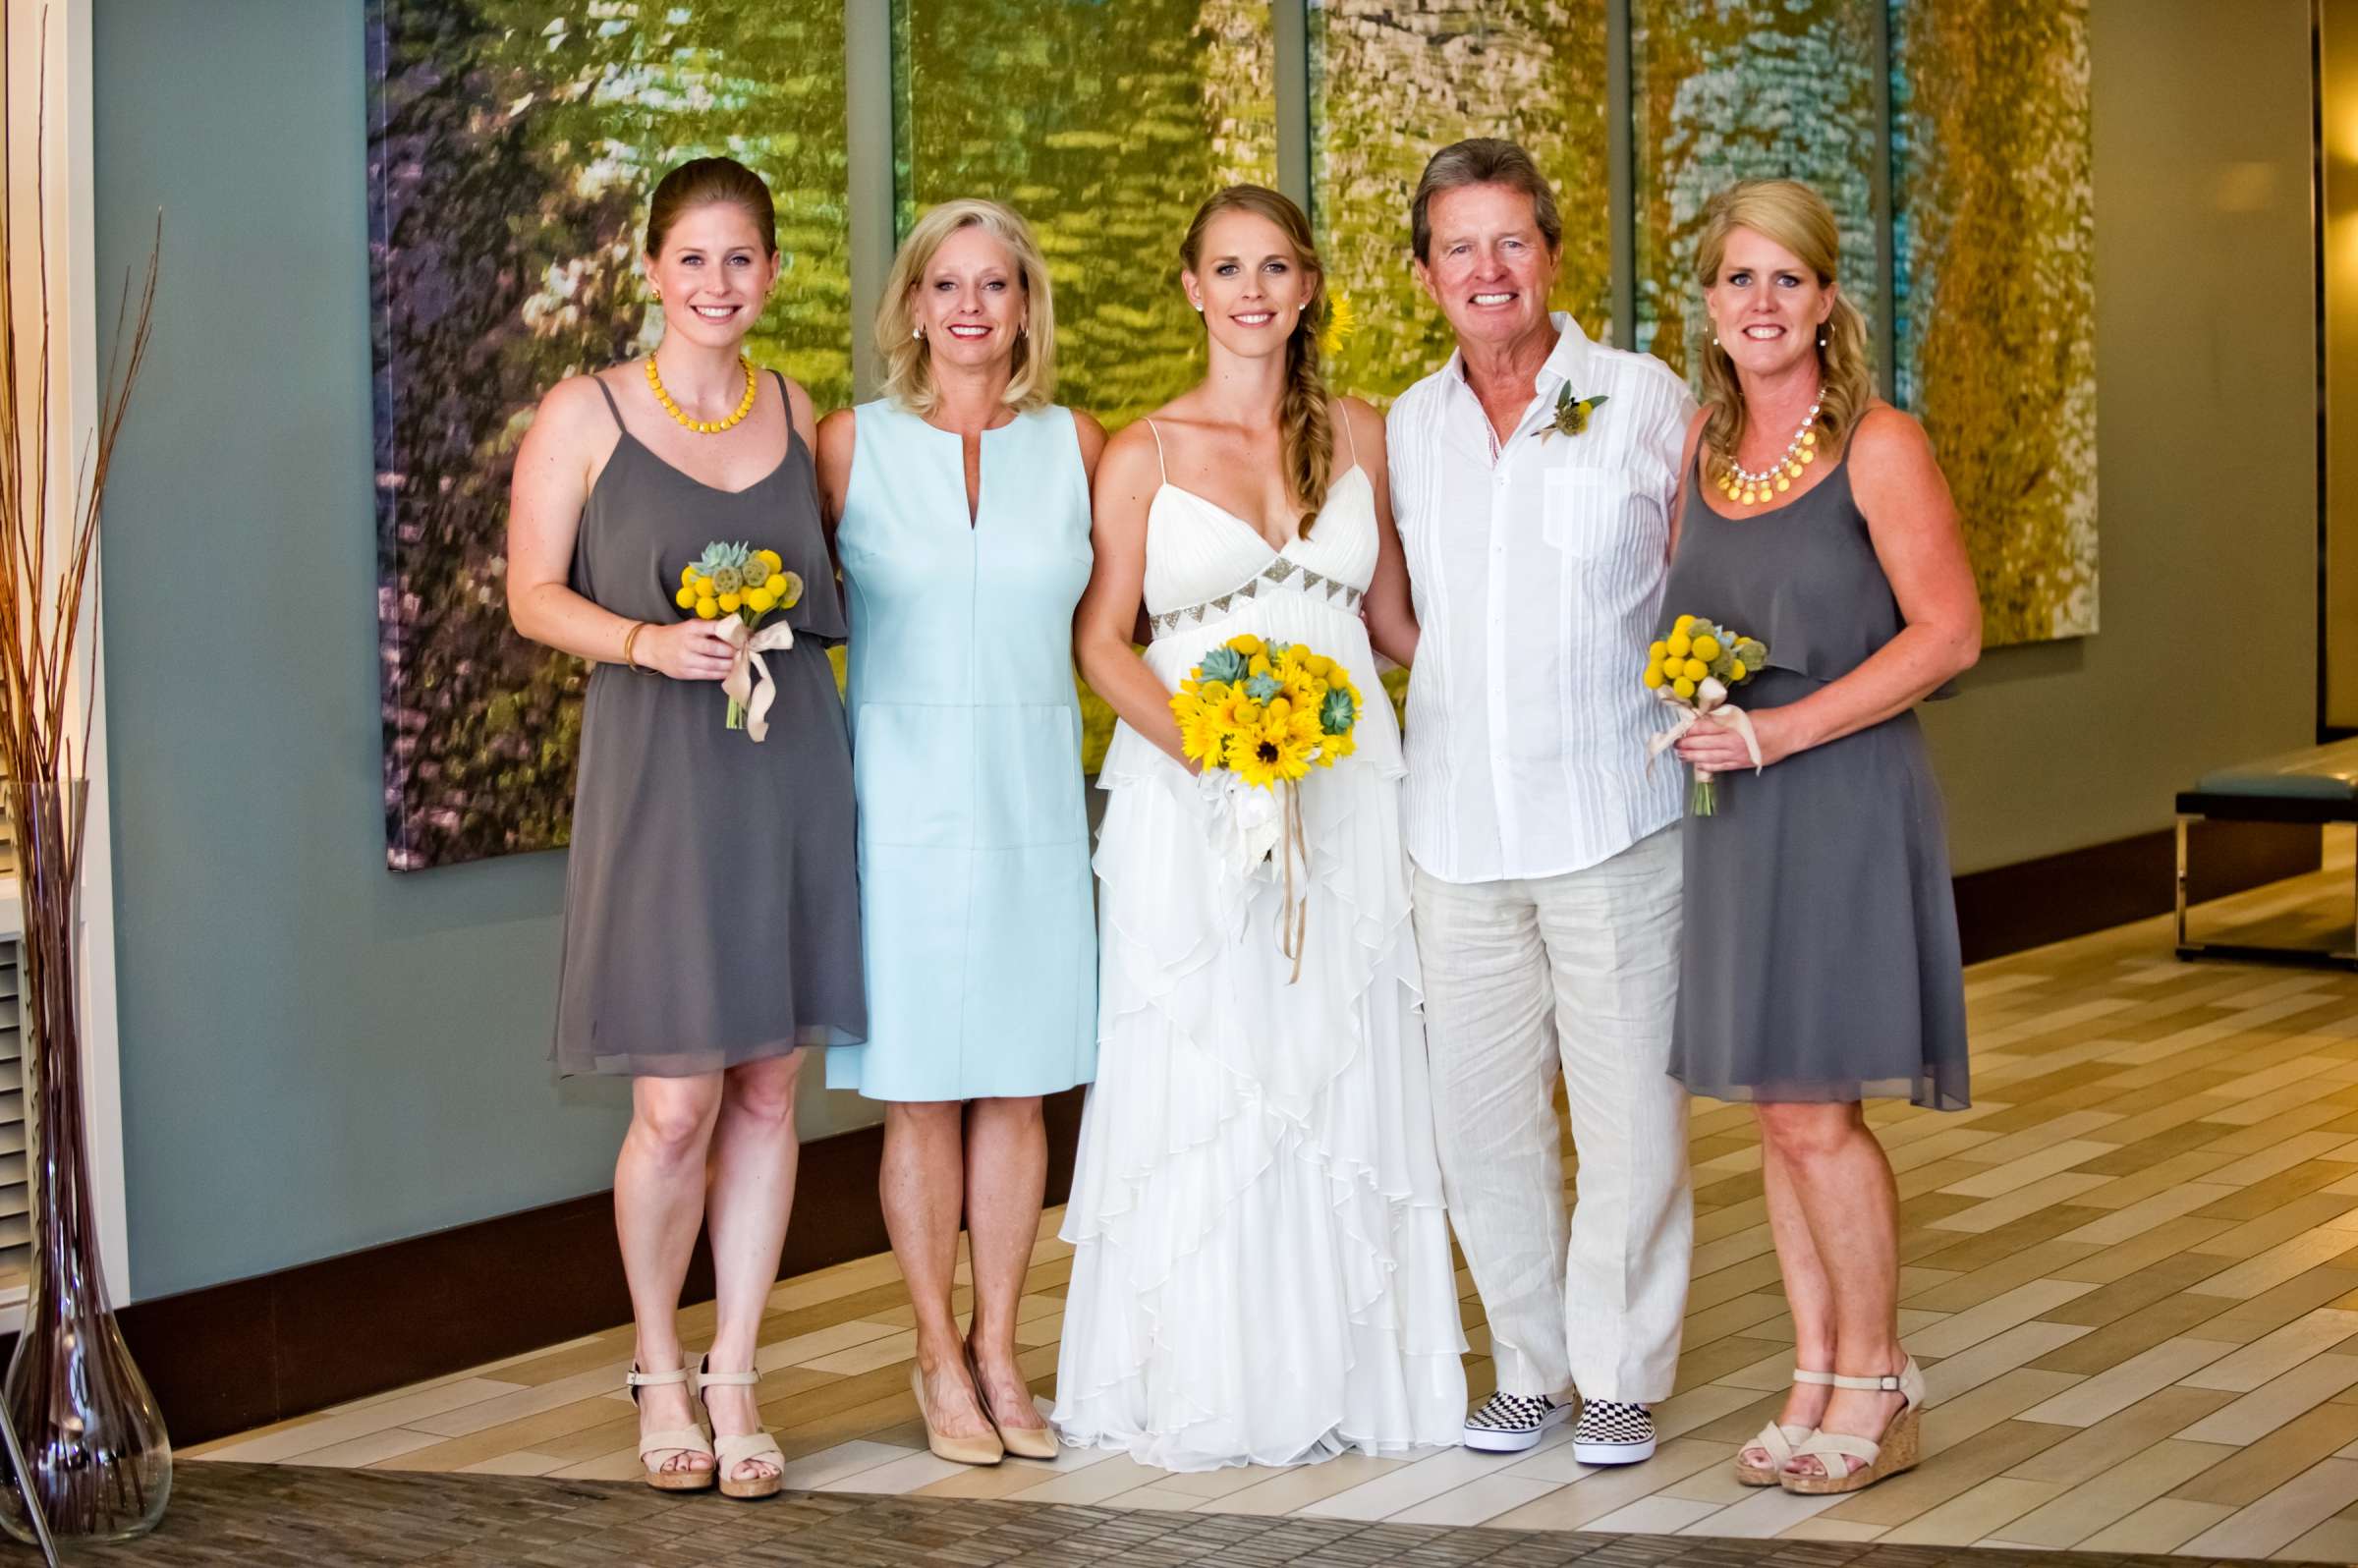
[628, 638]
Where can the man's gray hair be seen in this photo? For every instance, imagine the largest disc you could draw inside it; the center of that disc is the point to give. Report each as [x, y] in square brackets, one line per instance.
[1482, 160]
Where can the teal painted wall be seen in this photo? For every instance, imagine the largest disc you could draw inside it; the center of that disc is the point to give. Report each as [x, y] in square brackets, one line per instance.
[317, 1054]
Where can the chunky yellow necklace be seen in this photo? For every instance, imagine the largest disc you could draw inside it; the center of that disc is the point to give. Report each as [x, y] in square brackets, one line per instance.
[1742, 484]
[745, 406]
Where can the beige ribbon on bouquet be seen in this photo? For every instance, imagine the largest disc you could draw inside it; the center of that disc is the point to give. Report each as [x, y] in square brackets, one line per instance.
[1293, 920]
[1711, 699]
[750, 687]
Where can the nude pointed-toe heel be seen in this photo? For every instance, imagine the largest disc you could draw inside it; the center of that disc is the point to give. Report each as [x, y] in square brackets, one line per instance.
[983, 1450]
[1024, 1442]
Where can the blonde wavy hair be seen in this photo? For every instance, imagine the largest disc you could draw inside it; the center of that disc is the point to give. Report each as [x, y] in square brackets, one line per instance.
[1305, 419]
[909, 361]
[1789, 214]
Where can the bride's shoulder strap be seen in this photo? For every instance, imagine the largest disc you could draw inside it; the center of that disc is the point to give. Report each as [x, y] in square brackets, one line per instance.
[1342, 417]
[1161, 468]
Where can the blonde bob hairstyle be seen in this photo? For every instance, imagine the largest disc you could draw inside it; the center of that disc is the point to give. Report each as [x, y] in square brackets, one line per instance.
[909, 358]
[1789, 214]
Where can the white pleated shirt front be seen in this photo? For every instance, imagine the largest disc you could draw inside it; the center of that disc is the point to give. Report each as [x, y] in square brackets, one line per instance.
[1537, 580]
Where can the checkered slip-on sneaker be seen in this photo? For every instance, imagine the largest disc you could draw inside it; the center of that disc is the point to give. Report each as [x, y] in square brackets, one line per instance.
[1613, 1433]
[1509, 1424]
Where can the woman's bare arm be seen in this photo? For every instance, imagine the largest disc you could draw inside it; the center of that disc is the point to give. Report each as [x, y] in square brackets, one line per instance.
[569, 436]
[1127, 478]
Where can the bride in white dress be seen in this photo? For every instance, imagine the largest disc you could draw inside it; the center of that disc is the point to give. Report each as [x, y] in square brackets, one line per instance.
[1262, 1270]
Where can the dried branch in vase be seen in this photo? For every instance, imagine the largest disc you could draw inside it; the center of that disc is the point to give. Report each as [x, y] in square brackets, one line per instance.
[96, 1453]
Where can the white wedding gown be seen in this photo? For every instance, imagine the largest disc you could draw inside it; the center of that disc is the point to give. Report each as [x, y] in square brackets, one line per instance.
[1262, 1270]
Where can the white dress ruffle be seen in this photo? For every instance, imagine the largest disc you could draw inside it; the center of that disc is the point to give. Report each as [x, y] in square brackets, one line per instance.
[1262, 1270]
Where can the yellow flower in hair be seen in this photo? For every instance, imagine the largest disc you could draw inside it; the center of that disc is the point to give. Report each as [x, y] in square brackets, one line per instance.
[1341, 322]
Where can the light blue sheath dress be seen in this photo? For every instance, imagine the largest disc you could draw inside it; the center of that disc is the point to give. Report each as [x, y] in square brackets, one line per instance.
[977, 924]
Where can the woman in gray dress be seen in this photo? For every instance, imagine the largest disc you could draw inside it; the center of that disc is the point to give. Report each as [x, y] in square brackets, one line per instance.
[1820, 961]
[711, 905]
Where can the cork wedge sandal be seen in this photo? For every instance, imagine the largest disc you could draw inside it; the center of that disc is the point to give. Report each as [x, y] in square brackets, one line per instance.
[732, 1452]
[656, 1448]
[1864, 1461]
[1778, 1440]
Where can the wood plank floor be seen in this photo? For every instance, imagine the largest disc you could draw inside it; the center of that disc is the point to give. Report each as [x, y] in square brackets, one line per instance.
[2131, 1271]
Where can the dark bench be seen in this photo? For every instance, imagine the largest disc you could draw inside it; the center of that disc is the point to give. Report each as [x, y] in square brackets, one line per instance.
[2311, 787]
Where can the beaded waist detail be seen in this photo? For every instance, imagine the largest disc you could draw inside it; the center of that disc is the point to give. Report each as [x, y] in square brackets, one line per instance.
[1278, 573]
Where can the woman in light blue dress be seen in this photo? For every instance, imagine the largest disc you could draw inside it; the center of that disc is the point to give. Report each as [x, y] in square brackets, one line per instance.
[960, 507]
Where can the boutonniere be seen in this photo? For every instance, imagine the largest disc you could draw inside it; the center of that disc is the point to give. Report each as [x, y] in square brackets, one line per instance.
[1571, 414]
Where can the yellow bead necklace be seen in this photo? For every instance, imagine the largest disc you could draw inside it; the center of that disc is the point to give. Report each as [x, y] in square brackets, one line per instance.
[1742, 484]
[745, 406]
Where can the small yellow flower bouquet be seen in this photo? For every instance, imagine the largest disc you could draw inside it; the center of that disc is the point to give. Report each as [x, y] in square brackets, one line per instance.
[1259, 716]
[745, 585]
[1694, 669]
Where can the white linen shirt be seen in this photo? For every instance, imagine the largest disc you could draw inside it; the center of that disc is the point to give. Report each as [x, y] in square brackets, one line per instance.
[1537, 580]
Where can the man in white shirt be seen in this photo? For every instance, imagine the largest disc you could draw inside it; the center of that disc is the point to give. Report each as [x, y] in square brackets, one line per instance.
[1534, 479]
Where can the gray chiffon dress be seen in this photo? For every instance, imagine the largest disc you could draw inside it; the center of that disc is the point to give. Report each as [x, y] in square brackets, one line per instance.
[712, 896]
[1820, 957]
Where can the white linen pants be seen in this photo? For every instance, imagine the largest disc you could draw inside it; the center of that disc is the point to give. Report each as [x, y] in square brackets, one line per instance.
[1522, 977]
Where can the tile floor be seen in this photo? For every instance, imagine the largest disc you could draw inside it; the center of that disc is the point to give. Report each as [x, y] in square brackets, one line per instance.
[2130, 1270]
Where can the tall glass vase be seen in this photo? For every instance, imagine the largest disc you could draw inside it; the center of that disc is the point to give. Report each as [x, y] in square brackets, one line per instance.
[96, 1453]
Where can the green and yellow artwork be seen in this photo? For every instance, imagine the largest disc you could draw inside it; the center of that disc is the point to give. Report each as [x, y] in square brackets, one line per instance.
[1721, 92]
[1105, 125]
[1392, 82]
[512, 148]
[1993, 219]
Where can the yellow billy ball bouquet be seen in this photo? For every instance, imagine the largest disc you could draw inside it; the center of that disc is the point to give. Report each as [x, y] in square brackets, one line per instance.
[1259, 716]
[1694, 669]
[745, 585]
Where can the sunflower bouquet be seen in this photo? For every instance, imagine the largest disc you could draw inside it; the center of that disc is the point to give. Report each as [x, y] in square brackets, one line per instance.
[1694, 669]
[1259, 716]
[745, 585]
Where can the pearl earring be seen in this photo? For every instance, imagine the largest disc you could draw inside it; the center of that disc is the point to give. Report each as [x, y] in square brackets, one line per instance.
[1821, 339]
[917, 333]
[1199, 304]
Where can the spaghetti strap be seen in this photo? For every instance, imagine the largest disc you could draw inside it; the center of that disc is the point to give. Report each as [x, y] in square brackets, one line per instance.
[612, 406]
[1344, 415]
[1161, 466]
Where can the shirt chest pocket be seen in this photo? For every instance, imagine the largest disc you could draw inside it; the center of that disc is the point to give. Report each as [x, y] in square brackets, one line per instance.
[1597, 514]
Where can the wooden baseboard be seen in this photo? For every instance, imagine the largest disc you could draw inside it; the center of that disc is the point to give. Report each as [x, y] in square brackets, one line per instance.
[233, 1357]
[2056, 897]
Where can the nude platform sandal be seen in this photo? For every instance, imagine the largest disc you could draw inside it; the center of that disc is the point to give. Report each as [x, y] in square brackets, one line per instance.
[1864, 1461]
[1779, 1440]
[730, 1452]
[654, 1447]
